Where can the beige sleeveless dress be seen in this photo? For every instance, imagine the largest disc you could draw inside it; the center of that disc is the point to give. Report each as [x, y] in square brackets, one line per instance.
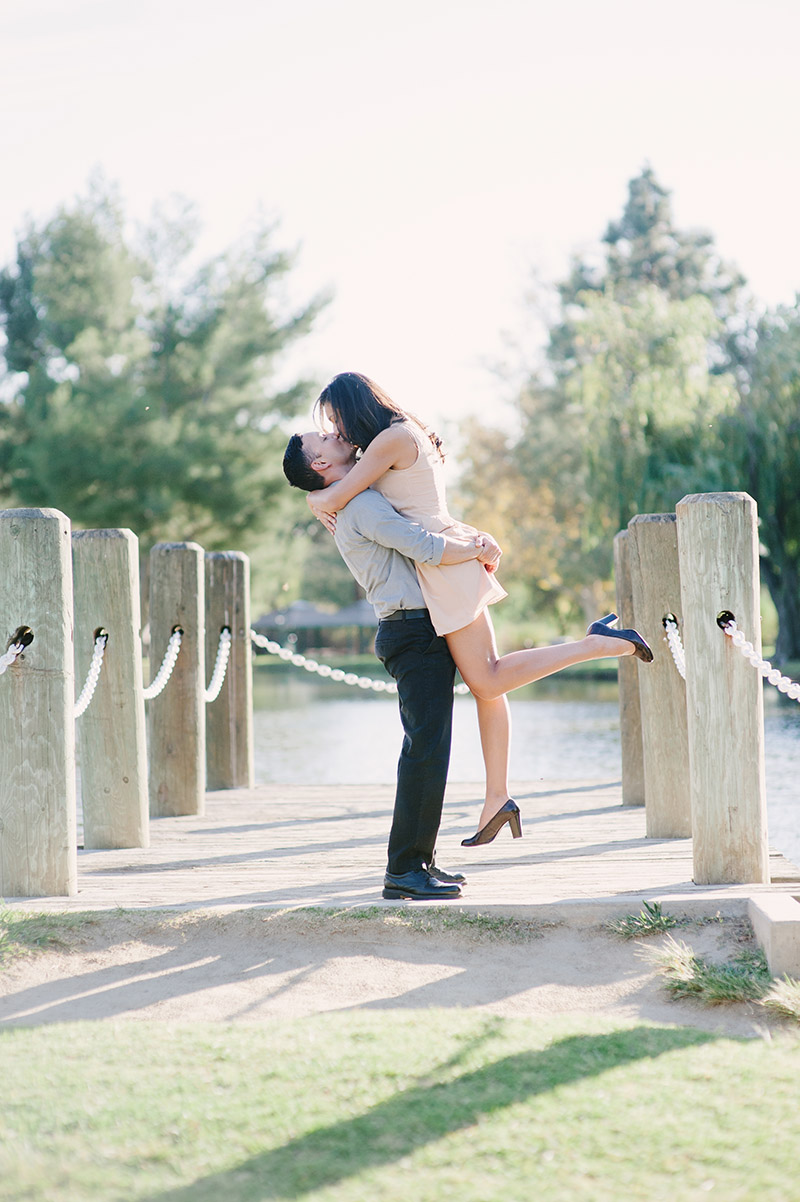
[456, 593]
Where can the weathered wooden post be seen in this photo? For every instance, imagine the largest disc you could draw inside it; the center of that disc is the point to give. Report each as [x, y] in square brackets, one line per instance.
[630, 713]
[176, 720]
[655, 577]
[38, 856]
[111, 732]
[229, 719]
[718, 543]
[144, 588]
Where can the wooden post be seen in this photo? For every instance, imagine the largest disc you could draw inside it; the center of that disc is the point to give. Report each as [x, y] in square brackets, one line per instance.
[630, 713]
[176, 720]
[111, 732]
[229, 719]
[655, 579]
[38, 856]
[144, 588]
[718, 542]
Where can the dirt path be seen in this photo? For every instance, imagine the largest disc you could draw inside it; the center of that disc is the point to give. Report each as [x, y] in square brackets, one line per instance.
[252, 965]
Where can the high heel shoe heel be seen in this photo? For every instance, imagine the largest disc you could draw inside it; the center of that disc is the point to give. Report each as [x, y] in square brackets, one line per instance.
[509, 813]
[640, 647]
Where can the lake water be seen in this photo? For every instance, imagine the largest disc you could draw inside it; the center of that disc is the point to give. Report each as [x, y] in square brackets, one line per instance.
[312, 730]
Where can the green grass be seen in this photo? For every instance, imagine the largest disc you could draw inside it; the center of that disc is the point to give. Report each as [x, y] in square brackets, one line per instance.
[345, 1107]
[745, 978]
[23, 933]
[783, 998]
[651, 920]
[428, 921]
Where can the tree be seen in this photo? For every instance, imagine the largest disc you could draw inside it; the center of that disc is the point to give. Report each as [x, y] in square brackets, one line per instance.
[643, 404]
[324, 576]
[641, 362]
[139, 392]
[630, 429]
[526, 491]
[762, 441]
[645, 249]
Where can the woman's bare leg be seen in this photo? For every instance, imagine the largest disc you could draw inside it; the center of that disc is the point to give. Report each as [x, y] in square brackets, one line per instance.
[494, 722]
[490, 676]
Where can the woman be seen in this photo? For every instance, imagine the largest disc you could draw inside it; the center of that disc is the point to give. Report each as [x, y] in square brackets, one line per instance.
[403, 461]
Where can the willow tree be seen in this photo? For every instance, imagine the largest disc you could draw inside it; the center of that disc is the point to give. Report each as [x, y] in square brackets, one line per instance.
[643, 405]
[762, 448]
[643, 356]
[630, 428]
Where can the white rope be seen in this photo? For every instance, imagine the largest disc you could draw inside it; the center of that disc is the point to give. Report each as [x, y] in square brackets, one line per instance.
[790, 687]
[20, 639]
[220, 667]
[675, 644]
[335, 674]
[7, 659]
[168, 663]
[93, 675]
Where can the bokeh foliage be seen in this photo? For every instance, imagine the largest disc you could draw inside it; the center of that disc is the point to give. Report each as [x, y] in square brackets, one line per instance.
[659, 378]
[143, 388]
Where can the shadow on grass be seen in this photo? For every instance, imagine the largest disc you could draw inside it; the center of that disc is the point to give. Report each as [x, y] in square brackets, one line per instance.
[424, 1113]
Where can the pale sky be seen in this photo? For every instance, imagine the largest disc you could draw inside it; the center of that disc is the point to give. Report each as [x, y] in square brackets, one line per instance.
[424, 157]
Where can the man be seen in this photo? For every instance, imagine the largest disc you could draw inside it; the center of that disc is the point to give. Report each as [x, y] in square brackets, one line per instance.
[378, 545]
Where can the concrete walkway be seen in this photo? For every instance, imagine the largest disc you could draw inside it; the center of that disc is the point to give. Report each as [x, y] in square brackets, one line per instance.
[583, 856]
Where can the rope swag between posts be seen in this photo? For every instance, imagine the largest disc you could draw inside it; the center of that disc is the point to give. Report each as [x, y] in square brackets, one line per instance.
[23, 637]
[93, 675]
[335, 674]
[214, 689]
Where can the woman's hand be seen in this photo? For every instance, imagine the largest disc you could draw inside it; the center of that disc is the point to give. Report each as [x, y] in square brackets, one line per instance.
[321, 509]
[489, 553]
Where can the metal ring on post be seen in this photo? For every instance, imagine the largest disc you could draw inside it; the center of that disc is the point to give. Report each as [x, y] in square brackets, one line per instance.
[20, 639]
[724, 617]
[23, 635]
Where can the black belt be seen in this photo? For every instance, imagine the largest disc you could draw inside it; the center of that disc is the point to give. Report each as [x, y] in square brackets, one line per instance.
[402, 615]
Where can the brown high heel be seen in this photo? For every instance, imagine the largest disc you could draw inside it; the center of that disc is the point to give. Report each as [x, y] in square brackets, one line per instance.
[509, 813]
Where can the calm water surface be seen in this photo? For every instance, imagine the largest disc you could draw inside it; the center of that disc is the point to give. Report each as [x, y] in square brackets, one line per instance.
[310, 730]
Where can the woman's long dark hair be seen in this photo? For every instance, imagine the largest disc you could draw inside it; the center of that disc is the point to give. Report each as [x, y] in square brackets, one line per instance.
[362, 409]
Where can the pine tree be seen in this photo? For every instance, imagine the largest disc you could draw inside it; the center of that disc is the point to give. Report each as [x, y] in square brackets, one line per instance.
[645, 248]
[139, 392]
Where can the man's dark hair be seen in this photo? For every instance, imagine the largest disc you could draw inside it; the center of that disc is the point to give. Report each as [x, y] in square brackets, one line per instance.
[297, 466]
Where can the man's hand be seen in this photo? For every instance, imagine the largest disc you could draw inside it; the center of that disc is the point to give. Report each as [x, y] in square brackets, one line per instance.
[489, 552]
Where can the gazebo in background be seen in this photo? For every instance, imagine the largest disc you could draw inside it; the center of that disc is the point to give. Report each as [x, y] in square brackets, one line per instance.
[302, 625]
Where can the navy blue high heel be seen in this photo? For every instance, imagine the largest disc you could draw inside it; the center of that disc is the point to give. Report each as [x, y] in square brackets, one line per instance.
[640, 647]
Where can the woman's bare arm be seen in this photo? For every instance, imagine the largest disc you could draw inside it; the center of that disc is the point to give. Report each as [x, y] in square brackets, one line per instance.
[392, 448]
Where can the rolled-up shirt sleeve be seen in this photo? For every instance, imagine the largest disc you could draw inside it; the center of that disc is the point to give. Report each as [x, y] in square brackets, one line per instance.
[374, 518]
